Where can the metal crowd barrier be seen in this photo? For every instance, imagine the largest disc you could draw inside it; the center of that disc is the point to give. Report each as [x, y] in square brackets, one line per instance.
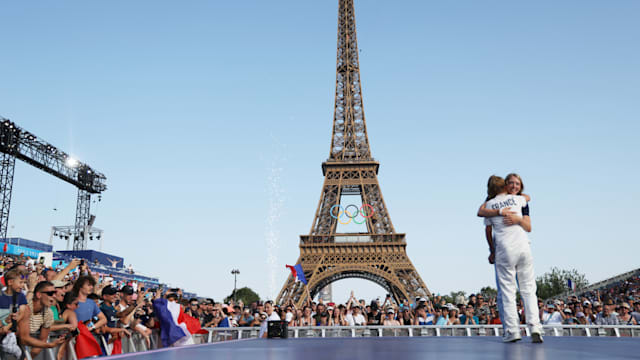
[222, 334]
[136, 342]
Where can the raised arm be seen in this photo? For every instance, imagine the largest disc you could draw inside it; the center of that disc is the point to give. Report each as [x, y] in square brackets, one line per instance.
[72, 265]
[484, 212]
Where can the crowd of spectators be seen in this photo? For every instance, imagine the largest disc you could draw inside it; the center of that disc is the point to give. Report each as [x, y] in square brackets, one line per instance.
[615, 304]
[74, 303]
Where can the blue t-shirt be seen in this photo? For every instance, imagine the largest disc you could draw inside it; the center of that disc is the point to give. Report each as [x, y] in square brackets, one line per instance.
[224, 322]
[426, 321]
[5, 304]
[463, 320]
[87, 310]
[442, 320]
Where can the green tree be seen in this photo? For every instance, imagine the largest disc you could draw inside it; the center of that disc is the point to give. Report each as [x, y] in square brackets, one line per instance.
[245, 294]
[555, 282]
[488, 292]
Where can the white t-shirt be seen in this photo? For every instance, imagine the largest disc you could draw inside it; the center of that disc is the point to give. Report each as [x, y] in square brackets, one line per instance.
[288, 317]
[506, 235]
[553, 318]
[263, 327]
[355, 320]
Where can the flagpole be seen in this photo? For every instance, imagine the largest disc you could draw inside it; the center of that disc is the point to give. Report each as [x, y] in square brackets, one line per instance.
[308, 293]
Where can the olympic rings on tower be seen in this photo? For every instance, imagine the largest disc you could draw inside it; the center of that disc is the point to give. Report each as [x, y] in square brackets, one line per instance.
[362, 210]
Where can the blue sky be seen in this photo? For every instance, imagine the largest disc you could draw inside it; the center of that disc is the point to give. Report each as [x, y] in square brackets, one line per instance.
[211, 120]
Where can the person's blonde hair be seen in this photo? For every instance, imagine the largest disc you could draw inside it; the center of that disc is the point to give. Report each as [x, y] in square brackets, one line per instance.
[519, 178]
[495, 186]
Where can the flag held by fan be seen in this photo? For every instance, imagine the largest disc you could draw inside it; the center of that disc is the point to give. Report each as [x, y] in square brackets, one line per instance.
[297, 272]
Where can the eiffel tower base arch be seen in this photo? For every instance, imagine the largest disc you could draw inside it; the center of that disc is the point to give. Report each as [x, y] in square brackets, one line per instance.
[384, 264]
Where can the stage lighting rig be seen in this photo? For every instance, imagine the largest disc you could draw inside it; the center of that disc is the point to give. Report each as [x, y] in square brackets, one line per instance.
[17, 143]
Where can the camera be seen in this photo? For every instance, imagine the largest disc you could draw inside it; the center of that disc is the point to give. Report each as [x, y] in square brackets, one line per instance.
[82, 262]
[71, 334]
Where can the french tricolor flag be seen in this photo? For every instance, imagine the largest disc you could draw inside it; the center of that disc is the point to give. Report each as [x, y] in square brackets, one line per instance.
[571, 285]
[296, 271]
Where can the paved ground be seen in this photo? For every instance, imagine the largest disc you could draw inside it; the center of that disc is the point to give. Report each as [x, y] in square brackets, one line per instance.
[405, 348]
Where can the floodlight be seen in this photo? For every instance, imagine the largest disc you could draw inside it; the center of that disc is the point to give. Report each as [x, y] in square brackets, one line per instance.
[71, 162]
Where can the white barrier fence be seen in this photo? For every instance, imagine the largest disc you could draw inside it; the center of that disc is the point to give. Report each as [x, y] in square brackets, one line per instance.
[137, 343]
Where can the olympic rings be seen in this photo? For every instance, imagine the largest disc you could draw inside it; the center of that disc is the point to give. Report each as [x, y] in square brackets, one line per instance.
[362, 210]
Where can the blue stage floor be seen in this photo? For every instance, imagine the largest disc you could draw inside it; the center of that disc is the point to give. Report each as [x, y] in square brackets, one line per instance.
[403, 348]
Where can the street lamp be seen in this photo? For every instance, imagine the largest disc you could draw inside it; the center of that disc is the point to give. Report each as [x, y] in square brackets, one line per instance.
[235, 273]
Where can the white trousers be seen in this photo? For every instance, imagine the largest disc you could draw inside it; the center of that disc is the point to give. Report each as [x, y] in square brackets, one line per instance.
[514, 266]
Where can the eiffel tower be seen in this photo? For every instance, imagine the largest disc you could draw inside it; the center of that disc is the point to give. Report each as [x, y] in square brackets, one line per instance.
[379, 253]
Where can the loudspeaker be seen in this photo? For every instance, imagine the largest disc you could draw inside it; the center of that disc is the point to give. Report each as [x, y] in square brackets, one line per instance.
[277, 329]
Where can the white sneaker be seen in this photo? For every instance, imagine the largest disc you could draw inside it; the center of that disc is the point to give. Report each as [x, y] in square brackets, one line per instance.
[536, 338]
[511, 336]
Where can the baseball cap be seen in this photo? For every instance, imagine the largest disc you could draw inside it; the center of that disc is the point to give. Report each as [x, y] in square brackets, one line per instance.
[557, 302]
[423, 299]
[626, 305]
[568, 311]
[580, 314]
[596, 304]
[59, 283]
[551, 306]
[390, 311]
[330, 308]
[586, 302]
[109, 290]
[127, 290]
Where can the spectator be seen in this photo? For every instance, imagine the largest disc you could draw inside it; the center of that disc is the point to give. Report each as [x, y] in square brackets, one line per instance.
[624, 316]
[374, 317]
[112, 332]
[356, 318]
[246, 319]
[390, 318]
[552, 316]
[494, 317]
[606, 317]
[422, 317]
[306, 319]
[208, 317]
[12, 305]
[468, 318]
[442, 315]
[453, 316]
[271, 316]
[406, 316]
[58, 307]
[569, 319]
[35, 322]
[636, 313]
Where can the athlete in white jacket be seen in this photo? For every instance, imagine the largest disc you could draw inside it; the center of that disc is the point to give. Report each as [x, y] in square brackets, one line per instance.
[512, 254]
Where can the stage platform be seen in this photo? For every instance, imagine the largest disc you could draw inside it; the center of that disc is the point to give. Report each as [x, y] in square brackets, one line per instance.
[405, 348]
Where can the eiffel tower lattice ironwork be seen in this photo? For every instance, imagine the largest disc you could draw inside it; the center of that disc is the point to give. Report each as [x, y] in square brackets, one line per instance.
[379, 254]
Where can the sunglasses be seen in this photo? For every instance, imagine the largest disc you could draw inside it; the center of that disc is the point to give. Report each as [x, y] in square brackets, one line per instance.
[49, 293]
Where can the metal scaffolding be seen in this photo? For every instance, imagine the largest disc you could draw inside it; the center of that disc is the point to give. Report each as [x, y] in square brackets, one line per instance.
[17, 143]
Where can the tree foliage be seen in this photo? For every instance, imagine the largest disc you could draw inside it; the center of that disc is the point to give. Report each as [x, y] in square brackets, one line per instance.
[555, 282]
[488, 292]
[245, 294]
